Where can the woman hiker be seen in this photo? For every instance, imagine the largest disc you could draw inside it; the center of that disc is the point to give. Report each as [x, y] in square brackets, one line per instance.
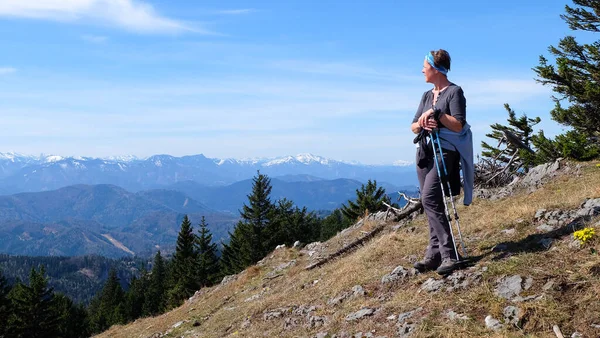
[444, 108]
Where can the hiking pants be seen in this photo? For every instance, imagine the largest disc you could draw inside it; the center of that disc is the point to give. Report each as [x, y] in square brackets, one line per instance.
[440, 239]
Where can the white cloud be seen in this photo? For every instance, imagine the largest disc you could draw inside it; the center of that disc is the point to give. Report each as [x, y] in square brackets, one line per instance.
[131, 15]
[7, 70]
[236, 11]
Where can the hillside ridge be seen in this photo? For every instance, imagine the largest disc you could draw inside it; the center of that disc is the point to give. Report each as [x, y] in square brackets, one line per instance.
[526, 275]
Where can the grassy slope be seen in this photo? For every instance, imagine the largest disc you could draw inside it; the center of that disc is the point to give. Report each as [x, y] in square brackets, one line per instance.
[573, 304]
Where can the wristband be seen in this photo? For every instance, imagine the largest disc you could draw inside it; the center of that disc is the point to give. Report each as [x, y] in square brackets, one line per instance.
[436, 114]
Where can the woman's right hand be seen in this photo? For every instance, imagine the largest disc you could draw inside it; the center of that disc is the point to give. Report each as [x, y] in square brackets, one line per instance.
[426, 120]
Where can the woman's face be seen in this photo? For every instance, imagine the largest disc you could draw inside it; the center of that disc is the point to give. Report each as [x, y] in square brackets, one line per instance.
[428, 71]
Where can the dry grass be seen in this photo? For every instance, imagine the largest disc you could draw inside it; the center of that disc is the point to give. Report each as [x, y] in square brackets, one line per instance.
[572, 303]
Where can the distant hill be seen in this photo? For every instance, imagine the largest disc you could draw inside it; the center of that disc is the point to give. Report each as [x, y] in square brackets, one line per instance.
[19, 173]
[101, 219]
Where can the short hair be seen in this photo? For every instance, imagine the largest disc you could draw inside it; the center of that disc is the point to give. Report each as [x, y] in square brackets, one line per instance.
[441, 58]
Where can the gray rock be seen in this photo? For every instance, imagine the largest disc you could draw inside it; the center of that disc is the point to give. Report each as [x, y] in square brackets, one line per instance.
[358, 291]
[539, 214]
[595, 326]
[450, 314]
[406, 330]
[549, 285]
[366, 312]
[404, 317]
[512, 315]
[316, 321]
[432, 285]
[545, 228]
[528, 283]
[493, 324]
[509, 287]
[339, 299]
[228, 279]
[297, 244]
[322, 335]
[576, 335]
[397, 274]
[178, 324]
[540, 173]
[509, 232]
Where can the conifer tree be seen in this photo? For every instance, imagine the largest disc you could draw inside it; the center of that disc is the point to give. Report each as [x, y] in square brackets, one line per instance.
[255, 218]
[72, 318]
[511, 154]
[574, 78]
[208, 262]
[135, 297]
[155, 300]
[290, 224]
[5, 308]
[232, 261]
[184, 266]
[107, 308]
[332, 224]
[369, 198]
[33, 312]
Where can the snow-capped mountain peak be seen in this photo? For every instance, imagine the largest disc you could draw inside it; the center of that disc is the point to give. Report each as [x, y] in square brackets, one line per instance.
[402, 163]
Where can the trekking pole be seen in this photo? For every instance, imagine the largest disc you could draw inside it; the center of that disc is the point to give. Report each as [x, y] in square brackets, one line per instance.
[439, 148]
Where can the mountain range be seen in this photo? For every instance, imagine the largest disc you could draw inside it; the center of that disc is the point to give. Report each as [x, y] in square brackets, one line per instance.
[54, 206]
[21, 173]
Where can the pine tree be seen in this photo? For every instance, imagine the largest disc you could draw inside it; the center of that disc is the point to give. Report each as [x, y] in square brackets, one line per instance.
[208, 267]
[185, 265]
[33, 312]
[135, 297]
[333, 223]
[256, 217]
[369, 198]
[512, 153]
[73, 319]
[232, 261]
[575, 79]
[155, 301]
[5, 306]
[290, 224]
[107, 308]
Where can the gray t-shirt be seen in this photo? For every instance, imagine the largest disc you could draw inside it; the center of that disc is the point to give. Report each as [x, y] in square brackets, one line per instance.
[450, 101]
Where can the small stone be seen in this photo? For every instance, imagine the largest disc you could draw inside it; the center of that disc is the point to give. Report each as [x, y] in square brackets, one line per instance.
[392, 317]
[360, 314]
[322, 335]
[455, 316]
[296, 244]
[576, 335]
[539, 213]
[358, 291]
[432, 285]
[595, 326]
[509, 287]
[512, 315]
[178, 324]
[404, 317]
[492, 324]
[549, 285]
[509, 232]
[545, 228]
[528, 283]
[280, 246]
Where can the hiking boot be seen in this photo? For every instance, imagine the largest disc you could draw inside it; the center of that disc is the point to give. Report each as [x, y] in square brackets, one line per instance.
[427, 264]
[448, 265]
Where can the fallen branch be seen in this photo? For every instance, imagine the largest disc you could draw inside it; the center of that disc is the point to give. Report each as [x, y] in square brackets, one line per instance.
[412, 206]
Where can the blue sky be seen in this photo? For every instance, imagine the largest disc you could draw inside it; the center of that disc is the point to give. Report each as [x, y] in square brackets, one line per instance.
[248, 79]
